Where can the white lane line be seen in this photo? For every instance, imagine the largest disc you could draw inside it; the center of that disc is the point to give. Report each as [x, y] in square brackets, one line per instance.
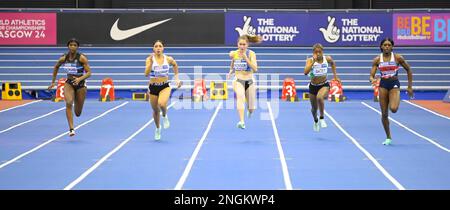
[188, 168]
[410, 130]
[36, 118]
[20, 106]
[284, 167]
[104, 158]
[57, 137]
[421, 107]
[368, 155]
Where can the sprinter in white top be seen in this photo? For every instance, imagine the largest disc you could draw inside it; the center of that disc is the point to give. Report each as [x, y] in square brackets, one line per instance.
[317, 69]
[157, 67]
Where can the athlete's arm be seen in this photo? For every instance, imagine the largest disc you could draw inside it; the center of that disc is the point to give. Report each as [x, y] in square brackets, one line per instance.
[148, 65]
[333, 67]
[308, 66]
[231, 65]
[55, 70]
[252, 61]
[175, 70]
[87, 68]
[374, 70]
[407, 67]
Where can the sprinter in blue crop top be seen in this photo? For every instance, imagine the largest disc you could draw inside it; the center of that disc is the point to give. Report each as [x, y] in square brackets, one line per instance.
[77, 68]
[388, 65]
[157, 66]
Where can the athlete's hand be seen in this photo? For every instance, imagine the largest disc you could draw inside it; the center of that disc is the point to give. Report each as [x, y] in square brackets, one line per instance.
[77, 80]
[410, 92]
[229, 75]
[337, 79]
[178, 83]
[314, 57]
[51, 86]
[243, 54]
[373, 81]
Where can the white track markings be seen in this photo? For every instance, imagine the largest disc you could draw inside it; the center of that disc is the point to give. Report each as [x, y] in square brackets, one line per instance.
[433, 112]
[36, 118]
[410, 130]
[57, 137]
[368, 155]
[20, 106]
[104, 158]
[284, 167]
[188, 168]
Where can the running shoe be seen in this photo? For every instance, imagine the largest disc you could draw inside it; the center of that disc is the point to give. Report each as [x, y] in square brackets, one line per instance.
[387, 142]
[241, 125]
[158, 134]
[71, 132]
[166, 123]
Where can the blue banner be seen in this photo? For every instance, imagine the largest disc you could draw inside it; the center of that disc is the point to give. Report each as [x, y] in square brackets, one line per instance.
[276, 29]
[306, 29]
[349, 29]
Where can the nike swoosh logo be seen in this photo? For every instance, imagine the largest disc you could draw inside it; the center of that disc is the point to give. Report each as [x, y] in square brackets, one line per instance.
[118, 34]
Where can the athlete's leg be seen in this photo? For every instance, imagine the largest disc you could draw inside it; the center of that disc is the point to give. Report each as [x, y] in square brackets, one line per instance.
[250, 97]
[384, 103]
[323, 92]
[239, 89]
[163, 98]
[394, 99]
[69, 95]
[80, 97]
[155, 108]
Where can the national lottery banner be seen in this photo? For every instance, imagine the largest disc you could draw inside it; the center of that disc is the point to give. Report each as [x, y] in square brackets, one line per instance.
[349, 29]
[28, 29]
[421, 28]
[306, 29]
[285, 29]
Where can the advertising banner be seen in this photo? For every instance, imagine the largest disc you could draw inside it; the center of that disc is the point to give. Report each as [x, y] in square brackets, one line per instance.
[276, 29]
[421, 28]
[142, 28]
[28, 29]
[349, 29]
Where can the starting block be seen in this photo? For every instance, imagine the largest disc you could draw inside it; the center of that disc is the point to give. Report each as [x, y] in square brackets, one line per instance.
[59, 95]
[140, 97]
[337, 98]
[336, 93]
[289, 91]
[305, 96]
[219, 90]
[199, 92]
[107, 90]
[11, 91]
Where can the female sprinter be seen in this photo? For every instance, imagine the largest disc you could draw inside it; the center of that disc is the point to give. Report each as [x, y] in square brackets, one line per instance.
[317, 69]
[388, 64]
[75, 64]
[157, 66]
[243, 63]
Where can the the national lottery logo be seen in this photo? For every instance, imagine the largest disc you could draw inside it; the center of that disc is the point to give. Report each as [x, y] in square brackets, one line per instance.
[351, 31]
[268, 29]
